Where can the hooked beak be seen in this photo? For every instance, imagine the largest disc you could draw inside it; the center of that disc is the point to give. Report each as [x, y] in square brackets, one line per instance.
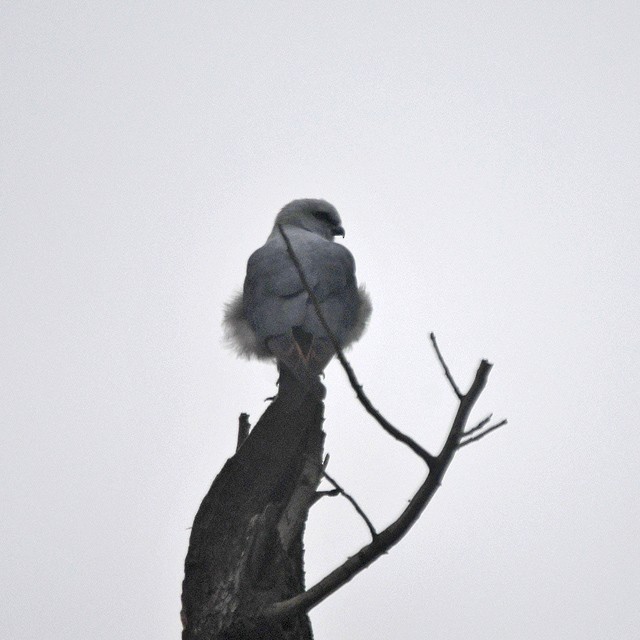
[338, 231]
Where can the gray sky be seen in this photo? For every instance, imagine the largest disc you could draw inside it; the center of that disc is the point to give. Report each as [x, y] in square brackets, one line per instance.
[485, 160]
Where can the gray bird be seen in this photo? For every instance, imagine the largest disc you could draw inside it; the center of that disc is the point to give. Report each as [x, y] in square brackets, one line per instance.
[274, 316]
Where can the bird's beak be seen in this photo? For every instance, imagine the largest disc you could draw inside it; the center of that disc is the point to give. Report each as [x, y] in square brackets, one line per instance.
[338, 231]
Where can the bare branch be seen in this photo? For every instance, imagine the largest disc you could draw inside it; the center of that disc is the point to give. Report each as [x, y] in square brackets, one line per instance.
[395, 531]
[447, 373]
[356, 506]
[357, 387]
[392, 534]
[243, 429]
[318, 495]
[483, 434]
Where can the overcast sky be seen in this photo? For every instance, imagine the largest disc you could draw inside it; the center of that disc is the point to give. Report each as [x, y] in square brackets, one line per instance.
[485, 159]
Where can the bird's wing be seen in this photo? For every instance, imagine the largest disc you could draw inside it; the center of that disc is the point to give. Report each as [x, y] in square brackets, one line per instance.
[280, 311]
[275, 299]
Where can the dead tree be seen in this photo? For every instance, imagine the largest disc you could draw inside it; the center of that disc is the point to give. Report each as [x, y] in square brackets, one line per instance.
[246, 547]
[244, 571]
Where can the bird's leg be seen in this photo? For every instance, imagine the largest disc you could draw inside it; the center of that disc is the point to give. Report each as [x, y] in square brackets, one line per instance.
[304, 357]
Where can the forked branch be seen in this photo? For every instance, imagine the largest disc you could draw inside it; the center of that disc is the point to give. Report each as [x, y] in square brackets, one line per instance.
[437, 466]
[481, 435]
[397, 529]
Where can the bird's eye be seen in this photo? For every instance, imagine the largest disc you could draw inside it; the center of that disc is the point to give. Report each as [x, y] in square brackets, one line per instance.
[322, 215]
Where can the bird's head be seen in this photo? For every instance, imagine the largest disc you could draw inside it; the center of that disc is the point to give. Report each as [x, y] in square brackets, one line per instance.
[317, 216]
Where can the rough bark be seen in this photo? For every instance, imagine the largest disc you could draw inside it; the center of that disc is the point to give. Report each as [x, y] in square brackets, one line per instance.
[246, 549]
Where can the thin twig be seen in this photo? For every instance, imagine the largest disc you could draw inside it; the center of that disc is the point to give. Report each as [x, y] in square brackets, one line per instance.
[447, 373]
[356, 506]
[483, 434]
[357, 387]
[318, 495]
[478, 426]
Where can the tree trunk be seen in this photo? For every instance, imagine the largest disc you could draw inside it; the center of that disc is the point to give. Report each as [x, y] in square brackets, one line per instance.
[246, 548]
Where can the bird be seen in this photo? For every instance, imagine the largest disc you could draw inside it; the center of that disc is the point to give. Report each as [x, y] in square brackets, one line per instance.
[274, 318]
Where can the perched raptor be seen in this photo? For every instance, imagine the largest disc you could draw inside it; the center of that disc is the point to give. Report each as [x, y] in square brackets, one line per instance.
[274, 316]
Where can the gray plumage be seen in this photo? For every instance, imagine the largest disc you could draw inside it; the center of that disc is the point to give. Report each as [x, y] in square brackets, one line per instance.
[274, 316]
